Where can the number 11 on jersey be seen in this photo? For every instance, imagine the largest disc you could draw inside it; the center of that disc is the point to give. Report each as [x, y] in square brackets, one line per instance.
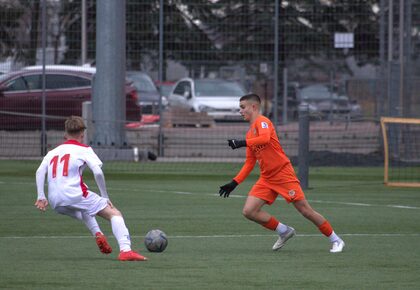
[54, 162]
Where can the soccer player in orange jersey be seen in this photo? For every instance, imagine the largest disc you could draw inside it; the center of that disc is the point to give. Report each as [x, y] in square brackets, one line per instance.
[277, 177]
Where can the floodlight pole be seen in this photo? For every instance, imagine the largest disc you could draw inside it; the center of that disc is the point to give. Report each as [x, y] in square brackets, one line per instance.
[44, 47]
[160, 77]
[276, 63]
[84, 36]
[109, 100]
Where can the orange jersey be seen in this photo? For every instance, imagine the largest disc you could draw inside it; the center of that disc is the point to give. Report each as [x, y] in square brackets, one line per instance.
[263, 146]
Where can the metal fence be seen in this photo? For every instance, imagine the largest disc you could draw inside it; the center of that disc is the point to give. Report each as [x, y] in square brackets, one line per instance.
[364, 51]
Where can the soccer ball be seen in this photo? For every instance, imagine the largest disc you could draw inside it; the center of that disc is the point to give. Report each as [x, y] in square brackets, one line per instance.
[156, 241]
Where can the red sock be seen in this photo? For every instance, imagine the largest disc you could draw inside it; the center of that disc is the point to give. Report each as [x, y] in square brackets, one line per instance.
[326, 228]
[271, 224]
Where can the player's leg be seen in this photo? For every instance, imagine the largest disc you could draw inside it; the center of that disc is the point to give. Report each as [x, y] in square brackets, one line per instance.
[323, 225]
[101, 240]
[91, 223]
[121, 233]
[253, 211]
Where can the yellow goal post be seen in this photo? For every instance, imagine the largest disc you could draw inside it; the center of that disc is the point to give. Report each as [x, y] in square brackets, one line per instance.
[401, 137]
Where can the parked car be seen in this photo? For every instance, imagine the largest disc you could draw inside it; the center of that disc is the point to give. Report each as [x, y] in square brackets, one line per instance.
[292, 102]
[67, 87]
[322, 102]
[218, 97]
[148, 93]
[165, 88]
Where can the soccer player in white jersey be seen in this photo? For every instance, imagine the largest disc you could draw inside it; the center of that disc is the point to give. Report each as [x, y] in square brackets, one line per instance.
[68, 195]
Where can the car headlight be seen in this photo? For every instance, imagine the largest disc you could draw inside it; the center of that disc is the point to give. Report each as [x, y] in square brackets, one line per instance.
[164, 101]
[313, 108]
[356, 107]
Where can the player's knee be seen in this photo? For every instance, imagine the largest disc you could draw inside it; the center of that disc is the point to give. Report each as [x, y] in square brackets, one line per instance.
[248, 213]
[116, 212]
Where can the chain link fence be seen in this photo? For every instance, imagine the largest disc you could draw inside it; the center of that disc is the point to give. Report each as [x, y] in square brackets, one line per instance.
[351, 62]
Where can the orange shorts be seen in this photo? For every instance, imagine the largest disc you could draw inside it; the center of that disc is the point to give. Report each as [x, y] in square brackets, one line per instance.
[290, 191]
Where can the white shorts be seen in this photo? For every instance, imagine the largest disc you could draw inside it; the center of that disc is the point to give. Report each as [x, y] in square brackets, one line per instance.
[91, 204]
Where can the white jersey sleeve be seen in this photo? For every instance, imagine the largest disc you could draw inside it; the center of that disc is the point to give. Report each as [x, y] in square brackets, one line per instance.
[40, 179]
[92, 160]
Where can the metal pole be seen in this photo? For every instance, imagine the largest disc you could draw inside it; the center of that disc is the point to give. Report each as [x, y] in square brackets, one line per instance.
[390, 28]
[84, 36]
[401, 58]
[276, 62]
[160, 134]
[303, 154]
[390, 57]
[109, 100]
[285, 97]
[381, 94]
[44, 47]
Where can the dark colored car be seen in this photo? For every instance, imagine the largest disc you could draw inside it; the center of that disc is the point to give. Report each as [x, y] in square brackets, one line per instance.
[148, 93]
[67, 87]
[324, 102]
[292, 102]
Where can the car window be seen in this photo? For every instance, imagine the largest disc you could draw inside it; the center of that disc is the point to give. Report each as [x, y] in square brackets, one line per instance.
[17, 84]
[182, 87]
[143, 83]
[218, 88]
[165, 90]
[59, 81]
[33, 82]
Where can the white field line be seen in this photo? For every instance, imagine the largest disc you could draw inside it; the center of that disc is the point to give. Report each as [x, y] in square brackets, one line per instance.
[244, 196]
[221, 236]
[310, 200]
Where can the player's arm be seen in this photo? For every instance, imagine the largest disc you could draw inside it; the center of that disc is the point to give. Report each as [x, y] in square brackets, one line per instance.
[100, 180]
[247, 167]
[41, 202]
[95, 164]
[261, 139]
[249, 164]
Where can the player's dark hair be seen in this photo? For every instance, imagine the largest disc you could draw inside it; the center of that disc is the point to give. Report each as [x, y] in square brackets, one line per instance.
[74, 125]
[251, 97]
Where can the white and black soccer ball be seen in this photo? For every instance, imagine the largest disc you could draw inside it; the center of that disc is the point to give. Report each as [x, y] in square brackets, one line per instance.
[156, 241]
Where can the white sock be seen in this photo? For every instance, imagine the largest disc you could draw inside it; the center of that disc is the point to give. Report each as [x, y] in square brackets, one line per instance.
[121, 233]
[91, 223]
[281, 228]
[334, 237]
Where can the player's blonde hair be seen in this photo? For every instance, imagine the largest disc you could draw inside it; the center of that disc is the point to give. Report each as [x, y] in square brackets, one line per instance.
[74, 126]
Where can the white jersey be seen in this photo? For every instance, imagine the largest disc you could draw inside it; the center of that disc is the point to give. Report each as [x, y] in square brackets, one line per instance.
[65, 165]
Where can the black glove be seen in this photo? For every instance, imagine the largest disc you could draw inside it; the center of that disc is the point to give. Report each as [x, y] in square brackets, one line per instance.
[226, 189]
[234, 143]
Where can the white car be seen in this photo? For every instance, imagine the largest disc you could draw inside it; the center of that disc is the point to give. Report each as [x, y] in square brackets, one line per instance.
[219, 98]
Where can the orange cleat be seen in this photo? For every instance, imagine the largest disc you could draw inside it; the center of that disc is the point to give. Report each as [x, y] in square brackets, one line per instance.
[102, 243]
[131, 256]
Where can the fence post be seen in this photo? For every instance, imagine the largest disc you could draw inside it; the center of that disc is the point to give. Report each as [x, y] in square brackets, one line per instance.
[303, 153]
[87, 118]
